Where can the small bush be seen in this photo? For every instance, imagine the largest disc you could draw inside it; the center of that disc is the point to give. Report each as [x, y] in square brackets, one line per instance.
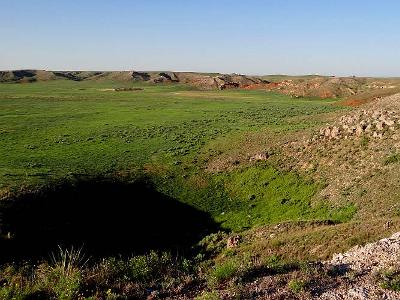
[158, 271]
[15, 287]
[208, 296]
[394, 158]
[297, 286]
[63, 277]
[278, 266]
[108, 268]
[390, 280]
[63, 285]
[147, 267]
[213, 243]
[224, 271]
[15, 283]
[364, 142]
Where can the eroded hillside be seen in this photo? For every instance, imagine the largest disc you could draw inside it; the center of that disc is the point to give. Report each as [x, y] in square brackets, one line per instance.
[199, 80]
[356, 90]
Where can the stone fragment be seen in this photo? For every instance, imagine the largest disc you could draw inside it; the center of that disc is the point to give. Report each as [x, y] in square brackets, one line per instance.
[380, 126]
[368, 128]
[327, 132]
[259, 156]
[359, 130]
[233, 242]
[335, 132]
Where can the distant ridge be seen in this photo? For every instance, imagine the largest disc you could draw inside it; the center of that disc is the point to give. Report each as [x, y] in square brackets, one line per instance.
[355, 90]
[200, 80]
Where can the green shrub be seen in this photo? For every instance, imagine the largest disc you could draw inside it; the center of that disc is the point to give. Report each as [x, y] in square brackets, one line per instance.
[142, 267]
[58, 281]
[151, 271]
[107, 268]
[64, 285]
[213, 243]
[16, 282]
[63, 276]
[278, 266]
[224, 271]
[390, 280]
[14, 292]
[146, 267]
[391, 159]
[297, 286]
[208, 296]
[364, 142]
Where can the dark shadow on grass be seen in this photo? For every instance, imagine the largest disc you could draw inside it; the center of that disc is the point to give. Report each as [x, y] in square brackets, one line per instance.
[105, 217]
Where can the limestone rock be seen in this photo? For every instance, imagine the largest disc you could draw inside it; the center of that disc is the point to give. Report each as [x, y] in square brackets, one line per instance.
[233, 242]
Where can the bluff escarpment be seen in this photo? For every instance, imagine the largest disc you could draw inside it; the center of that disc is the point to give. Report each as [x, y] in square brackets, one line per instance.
[199, 80]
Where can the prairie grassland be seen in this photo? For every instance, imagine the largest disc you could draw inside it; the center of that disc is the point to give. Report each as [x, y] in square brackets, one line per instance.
[52, 131]
[63, 132]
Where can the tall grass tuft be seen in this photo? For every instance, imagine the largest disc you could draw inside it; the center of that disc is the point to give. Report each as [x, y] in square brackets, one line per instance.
[68, 261]
[64, 277]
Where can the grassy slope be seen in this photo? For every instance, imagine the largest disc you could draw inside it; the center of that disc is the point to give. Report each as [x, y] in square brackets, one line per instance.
[53, 130]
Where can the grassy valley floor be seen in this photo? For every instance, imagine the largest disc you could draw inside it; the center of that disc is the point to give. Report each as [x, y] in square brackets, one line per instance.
[166, 161]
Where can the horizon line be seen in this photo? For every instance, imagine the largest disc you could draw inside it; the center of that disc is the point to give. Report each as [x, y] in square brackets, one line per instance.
[199, 72]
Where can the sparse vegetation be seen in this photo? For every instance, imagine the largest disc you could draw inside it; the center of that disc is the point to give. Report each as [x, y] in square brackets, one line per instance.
[392, 159]
[224, 271]
[208, 296]
[364, 142]
[296, 286]
[390, 279]
[65, 278]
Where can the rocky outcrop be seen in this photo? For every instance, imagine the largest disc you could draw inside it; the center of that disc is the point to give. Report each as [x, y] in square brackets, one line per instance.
[371, 257]
[356, 90]
[233, 242]
[237, 81]
[218, 81]
[368, 123]
[322, 87]
[140, 76]
[366, 262]
[166, 77]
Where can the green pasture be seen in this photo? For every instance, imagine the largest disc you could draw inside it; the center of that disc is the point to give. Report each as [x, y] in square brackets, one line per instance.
[58, 130]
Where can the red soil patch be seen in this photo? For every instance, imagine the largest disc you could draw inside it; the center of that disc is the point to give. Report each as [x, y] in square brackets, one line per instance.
[256, 86]
[352, 102]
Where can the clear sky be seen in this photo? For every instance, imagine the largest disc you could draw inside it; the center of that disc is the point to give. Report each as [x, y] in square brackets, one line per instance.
[339, 37]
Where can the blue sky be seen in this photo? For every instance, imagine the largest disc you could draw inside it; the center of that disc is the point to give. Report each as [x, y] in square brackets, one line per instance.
[253, 37]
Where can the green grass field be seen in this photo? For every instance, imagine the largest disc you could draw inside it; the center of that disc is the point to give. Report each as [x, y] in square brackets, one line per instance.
[60, 130]
[79, 154]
